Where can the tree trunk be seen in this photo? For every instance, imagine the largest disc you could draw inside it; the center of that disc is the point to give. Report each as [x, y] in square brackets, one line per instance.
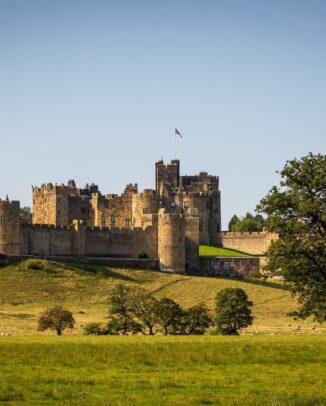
[59, 332]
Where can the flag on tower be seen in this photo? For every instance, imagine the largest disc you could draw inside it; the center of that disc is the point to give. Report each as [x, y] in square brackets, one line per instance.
[177, 132]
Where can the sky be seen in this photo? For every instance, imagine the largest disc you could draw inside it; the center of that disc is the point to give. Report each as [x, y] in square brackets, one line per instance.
[92, 91]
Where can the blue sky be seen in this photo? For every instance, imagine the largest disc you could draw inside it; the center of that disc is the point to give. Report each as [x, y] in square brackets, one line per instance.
[92, 90]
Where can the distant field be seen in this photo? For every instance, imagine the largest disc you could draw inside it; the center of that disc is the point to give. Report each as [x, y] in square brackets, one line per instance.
[206, 370]
[207, 250]
[29, 287]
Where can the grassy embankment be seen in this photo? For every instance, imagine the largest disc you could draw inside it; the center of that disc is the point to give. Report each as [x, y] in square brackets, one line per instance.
[259, 370]
[208, 250]
[29, 287]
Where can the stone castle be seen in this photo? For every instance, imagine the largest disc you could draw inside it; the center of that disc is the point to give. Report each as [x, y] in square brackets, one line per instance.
[166, 224]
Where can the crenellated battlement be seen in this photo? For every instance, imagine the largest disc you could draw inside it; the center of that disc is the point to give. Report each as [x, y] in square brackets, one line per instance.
[9, 203]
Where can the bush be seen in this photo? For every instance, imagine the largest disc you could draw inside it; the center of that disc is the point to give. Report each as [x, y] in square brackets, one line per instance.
[94, 329]
[142, 255]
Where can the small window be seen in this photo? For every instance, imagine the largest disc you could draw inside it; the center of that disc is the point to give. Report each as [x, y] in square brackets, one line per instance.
[2, 220]
[127, 223]
[113, 221]
[200, 225]
[103, 220]
[173, 204]
[59, 212]
[145, 210]
[186, 205]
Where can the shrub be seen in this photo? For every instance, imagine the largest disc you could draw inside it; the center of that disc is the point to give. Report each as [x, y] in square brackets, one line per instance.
[94, 329]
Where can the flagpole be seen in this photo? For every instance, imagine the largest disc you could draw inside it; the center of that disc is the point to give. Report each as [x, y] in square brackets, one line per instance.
[175, 145]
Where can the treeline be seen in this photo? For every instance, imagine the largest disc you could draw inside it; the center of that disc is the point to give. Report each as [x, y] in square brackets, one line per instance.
[247, 223]
[134, 311]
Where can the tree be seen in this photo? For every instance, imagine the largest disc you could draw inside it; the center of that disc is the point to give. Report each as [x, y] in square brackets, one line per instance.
[296, 210]
[248, 223]
[196, 320]
[145, 309]
[169, 316]
[26, 212]
[57, 319]
[233, 311]
[121, 319]
[233, 221]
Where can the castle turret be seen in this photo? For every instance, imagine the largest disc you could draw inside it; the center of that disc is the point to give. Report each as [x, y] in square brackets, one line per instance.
[168, 175]
[171, 240]
[9, 227]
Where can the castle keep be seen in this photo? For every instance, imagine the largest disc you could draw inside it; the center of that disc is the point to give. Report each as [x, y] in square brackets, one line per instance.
[166, 224]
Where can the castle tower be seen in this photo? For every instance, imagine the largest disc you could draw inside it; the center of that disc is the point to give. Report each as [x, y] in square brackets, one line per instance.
[50, 204]
[9, 227]
[171, 240]
[144, 206]
[167, 174]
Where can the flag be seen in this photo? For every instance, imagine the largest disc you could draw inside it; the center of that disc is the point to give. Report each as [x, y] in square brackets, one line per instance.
[177, 132]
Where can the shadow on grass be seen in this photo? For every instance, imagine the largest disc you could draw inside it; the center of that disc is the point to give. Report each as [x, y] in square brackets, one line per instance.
[99, 270]
[267, 284]
[169, 284]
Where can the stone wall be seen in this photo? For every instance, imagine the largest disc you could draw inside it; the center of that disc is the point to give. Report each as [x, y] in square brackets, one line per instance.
[228, 266]
[79, 240]
[251, 243]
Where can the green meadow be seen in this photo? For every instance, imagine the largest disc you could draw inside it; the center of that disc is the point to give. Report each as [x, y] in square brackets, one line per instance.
[138, 370]
[29, 287]
[277, 361]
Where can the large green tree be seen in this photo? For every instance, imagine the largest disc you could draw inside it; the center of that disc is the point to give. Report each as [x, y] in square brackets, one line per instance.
[121, 317]
[169, 315]
[296, 210]
[233, 311]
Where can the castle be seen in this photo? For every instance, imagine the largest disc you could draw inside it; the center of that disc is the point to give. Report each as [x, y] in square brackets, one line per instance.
[165, 224]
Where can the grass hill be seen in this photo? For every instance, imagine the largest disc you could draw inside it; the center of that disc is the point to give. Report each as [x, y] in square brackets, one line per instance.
[209, 250]
[30, 286]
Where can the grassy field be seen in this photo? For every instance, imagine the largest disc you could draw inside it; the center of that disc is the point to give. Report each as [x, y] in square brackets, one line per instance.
[29, 287]
[260, 370]
[208, 250]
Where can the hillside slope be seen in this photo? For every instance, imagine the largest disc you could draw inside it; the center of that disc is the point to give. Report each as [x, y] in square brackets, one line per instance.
[29, 287]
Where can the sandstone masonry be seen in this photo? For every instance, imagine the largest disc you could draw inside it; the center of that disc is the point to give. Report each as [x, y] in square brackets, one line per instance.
[166, 224]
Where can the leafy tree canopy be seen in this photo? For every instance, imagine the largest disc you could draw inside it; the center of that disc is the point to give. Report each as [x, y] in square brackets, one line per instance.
[57, 319]
[248, 223]
[296, 210]
[196, 320]
[233, 311]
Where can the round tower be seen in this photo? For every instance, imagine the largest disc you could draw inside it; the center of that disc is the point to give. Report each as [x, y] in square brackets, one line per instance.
[9, 227]
[171, 241]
